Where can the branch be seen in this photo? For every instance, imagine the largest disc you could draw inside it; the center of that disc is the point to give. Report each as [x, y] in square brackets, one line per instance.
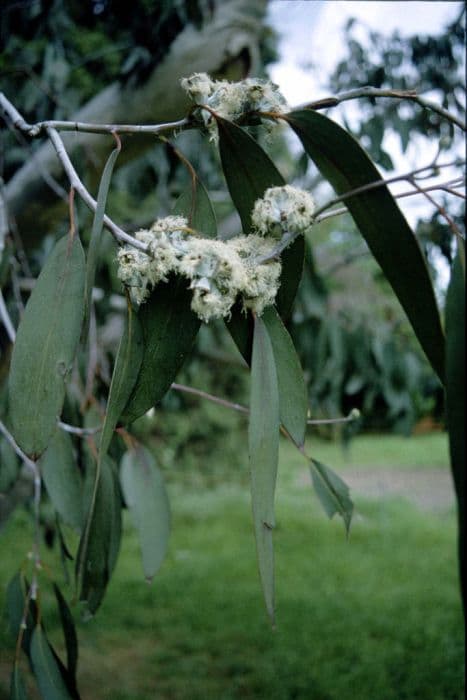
[443, 186]
[6, 320]
[369, 91]
[90, 202]
[408, 177]
[353, 415]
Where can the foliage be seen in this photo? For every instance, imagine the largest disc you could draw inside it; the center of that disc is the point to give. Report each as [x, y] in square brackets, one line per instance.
[60, 379]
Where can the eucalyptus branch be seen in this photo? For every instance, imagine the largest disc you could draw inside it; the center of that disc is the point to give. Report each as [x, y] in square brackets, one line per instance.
[443, 186]
[80, 432]
[90, 202]
[369, 91]
[6, 320]
[39, 128]
[353, 415]
[407, 177]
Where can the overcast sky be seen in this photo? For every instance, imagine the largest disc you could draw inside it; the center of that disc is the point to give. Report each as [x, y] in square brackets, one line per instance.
[310, 31]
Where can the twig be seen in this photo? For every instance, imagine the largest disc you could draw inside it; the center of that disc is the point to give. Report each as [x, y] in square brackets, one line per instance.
[74, 430]
[369, 91]
[444, 186]
[353, 415]
[210, 397]
[408, 177]
[6, 320]
[90, 202]
[34, 130]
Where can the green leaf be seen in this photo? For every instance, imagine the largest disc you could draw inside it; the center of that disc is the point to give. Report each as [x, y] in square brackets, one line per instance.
[46, 669]
[249, 172]
[45, 347]
[292, 390]
[332, 491]
[62, 479]
[15, 606]
[146, 497]
[69, 633]
[125, 374]
[195, 204]
[455, 396]
[169, 329]
[96, 232]
[346, 166]
[98, 547]
[263, 440]
[17, 687]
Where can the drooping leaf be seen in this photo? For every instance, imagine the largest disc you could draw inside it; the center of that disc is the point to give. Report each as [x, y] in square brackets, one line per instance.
[124, 376]
[345, 164]
[146, 497]
[96, 232]
[169, 329]
[69, 633]
[195, 204]
[455, 397]
[332, 491]
[249, 172]
[62, 479]
[98, 547]
[17, 686]
[46, 669]
[263, 441]
[45, 347]
[292, 391]
[15, 606]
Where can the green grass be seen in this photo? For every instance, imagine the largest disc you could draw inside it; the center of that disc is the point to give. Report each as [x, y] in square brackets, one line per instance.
[375, 617]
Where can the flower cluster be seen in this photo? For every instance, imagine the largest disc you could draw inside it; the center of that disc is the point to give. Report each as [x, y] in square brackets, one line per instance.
[219, 271]
[232, 100]
[283, 210]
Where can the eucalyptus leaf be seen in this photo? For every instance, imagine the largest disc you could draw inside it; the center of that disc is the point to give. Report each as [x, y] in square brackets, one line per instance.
[169, 329]
[62, 479]
[195, 204]
[15, 606]
[344, 163]
[332, 491]
[69, 633]
[46, 669]
[98, 547]
[455, 396]
[124, 376]
[263, 441]
[292, 390]
[249, 172]
[146, 497]
[96, 232]
[45, 347]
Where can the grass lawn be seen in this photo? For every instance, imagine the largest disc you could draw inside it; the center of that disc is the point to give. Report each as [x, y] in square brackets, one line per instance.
[375, 617]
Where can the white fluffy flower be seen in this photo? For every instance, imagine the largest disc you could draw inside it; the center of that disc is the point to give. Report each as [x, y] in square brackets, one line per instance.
[233, 101]
[283, 209]
[219, 271]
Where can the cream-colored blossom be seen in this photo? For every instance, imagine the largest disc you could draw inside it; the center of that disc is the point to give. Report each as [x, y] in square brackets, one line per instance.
[219, 271]
[283, 209]
[233, 101]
